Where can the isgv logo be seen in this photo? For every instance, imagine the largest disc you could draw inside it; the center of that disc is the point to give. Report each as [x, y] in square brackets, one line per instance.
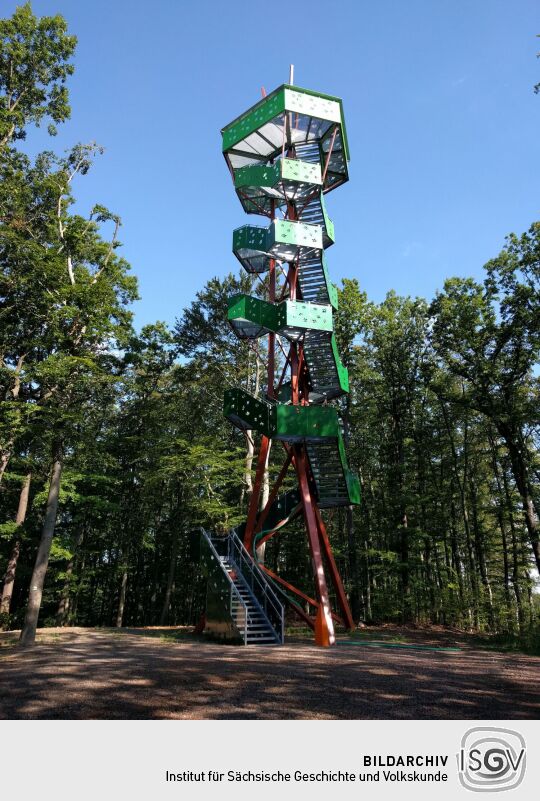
[491, 759]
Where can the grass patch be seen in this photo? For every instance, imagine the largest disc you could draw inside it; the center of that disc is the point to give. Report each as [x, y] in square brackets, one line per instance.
[298, 631]
[526, 643]
[183, 634]
[368, 636]
[8, 641]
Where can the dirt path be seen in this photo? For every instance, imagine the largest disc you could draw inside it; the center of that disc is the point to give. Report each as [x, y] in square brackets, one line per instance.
[97, 674]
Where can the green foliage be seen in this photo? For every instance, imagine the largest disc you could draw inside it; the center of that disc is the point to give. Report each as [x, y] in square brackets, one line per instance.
[34, 65]
[8, 529]
[351, 317]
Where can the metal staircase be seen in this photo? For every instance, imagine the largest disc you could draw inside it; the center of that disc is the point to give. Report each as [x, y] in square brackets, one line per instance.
[313, 212]
[310, 152]
[315, 425]
[328, 377]
[329, 474]
[313, 279]
[239, 598]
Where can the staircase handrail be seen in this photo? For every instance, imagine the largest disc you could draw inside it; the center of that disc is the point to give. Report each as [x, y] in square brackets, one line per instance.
[269, 596]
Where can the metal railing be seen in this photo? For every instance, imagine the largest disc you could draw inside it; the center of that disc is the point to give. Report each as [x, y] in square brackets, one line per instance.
[233, 592]
[255, 579]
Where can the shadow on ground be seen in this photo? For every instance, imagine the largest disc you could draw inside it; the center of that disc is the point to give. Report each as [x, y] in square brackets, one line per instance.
[81, 674]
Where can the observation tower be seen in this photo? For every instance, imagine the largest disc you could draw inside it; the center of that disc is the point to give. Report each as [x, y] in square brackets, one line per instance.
[285, 154]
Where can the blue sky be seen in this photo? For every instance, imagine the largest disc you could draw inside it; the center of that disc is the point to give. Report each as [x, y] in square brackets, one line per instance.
[442, 121]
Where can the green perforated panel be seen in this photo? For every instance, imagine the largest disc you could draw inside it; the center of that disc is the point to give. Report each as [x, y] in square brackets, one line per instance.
[285, 232]
[301, 172]
[252, 317]
[308, 315]
[343, 373]
[306, 422]
[247, 412]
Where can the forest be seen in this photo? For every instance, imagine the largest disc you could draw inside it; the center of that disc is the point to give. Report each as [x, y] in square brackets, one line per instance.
[113, 444]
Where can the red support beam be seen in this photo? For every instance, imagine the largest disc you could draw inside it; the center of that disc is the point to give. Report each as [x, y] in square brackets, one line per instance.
[271, 336]
[277, 528]
[262, 211]
[294, 375]
[287, 362]
[297, 608]
[324, 627]
[334, 572]
[311, 601]
[273, 495]
[329, 154]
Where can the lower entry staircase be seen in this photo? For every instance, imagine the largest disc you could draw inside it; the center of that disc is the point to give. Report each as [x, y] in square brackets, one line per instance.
[240, 601]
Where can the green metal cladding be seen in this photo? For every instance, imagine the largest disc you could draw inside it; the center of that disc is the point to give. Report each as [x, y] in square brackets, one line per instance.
[270, 111]
[252, 317]
[280, 421]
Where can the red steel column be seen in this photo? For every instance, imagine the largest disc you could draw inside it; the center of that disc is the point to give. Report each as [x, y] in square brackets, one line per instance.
[324, 626]
[334, 572]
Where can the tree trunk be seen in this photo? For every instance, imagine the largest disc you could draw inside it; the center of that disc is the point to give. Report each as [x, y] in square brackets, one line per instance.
[247, 483]
[63, 605]
[28, 633]
[65, 599]
[516, 582]
[502, 529]
[462, 482]
[521, 477]
[122, 599]
[75, 602]
[402, 525]
[404, 567]
[170, 580]
[355, 598]
[265, 494]
[369, 612]
[9, 578]
[14, 393]
[369, 506]
[4, 459]
[456, 560]
[481, 556]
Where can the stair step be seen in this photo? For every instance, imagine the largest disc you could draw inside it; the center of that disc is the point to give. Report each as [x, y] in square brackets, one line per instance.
[261, 632]
[252, 615]
[261, 624]
[255, 618]
[262, 641]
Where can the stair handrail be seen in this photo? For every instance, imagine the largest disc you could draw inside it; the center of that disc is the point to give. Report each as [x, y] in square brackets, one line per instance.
[269, 596]
[233, 587]
[249, 562]
[255, 567]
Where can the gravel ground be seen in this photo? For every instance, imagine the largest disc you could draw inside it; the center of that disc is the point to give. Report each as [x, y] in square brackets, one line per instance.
[84, 673]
